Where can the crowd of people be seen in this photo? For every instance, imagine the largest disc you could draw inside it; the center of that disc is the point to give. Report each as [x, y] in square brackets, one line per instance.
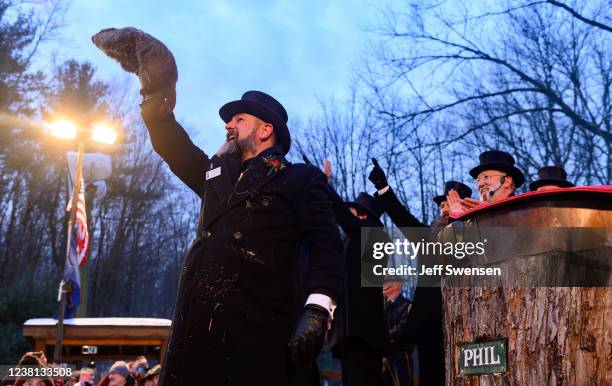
[121, 373]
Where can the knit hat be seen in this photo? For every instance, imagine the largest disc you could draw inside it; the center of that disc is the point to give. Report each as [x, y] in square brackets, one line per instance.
[121, 368]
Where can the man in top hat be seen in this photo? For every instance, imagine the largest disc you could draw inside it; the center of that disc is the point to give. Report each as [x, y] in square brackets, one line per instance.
[359, 333]
[365, 337]
[550, 177]
[496, 179]
[235, 319]
[423, 324]
[462, 190]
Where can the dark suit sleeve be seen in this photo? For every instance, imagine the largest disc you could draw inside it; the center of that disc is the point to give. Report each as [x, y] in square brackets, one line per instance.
[436, 226]
[187, 161]
[423, 323]
[399, 330]
[398, 213]
[320, 233]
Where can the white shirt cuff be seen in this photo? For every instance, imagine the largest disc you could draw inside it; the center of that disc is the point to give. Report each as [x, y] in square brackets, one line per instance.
[383, 190]
[323, 301]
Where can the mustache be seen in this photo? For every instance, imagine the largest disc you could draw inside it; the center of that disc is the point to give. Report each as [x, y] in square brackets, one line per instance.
[231, 135]
[235, 145]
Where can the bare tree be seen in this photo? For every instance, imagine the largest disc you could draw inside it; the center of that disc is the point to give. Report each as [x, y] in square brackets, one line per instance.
[533, 77]
[345, 134]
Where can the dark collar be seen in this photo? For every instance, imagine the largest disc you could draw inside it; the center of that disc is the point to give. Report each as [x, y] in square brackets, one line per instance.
[274, 152]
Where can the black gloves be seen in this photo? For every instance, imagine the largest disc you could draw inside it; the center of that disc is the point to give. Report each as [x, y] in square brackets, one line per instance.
[377, 176]
[307, 339]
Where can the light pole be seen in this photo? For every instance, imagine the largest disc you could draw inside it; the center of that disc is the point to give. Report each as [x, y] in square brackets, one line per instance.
[66, 129]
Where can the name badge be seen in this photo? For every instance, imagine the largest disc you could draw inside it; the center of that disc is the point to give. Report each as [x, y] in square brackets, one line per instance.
[213, 173]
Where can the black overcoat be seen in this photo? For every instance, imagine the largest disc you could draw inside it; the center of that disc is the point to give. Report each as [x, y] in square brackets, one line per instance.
[360, 312]
[423, 323]
[236, 307]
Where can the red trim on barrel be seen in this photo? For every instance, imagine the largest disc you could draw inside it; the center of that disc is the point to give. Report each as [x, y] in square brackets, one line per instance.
[607, 189]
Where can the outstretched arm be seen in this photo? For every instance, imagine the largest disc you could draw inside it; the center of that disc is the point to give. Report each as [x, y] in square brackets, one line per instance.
[187, 161]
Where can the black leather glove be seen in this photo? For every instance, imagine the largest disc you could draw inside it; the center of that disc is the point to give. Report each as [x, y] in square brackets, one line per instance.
[309, 335]
[377, 176]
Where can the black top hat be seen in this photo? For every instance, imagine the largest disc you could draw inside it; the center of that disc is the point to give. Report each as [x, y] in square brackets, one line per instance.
[463, 190]
[367, 204]
[264, 107]
[551, 175]
[499, 160]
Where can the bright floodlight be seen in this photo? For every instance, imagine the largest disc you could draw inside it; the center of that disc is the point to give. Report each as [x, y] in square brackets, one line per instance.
[63, 129]
[103, 133]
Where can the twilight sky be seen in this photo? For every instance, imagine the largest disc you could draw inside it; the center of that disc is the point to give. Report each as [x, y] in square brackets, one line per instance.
[297, 51]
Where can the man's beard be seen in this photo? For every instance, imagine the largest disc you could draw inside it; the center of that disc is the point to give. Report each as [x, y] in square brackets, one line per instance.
[484, 195]
[238, 146]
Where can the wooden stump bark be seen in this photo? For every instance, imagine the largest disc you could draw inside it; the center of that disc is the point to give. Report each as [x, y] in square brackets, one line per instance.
[556, 336]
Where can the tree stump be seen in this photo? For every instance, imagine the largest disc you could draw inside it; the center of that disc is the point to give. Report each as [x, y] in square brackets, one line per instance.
[553, 335]
[556, 336]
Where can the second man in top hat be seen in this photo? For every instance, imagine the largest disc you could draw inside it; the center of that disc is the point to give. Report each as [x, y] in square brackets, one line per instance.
[462, 190]
[496, 178]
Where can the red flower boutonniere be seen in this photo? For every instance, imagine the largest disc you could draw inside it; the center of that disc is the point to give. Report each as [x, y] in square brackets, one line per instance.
[274, 164]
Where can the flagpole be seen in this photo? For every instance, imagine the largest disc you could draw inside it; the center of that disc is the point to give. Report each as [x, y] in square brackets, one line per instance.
[84, 271]
[59, 335]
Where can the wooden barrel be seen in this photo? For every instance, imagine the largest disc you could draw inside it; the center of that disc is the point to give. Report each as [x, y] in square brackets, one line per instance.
[532, 335]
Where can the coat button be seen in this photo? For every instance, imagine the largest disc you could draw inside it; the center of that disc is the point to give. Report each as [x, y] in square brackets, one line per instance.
[237, 235]
[265, 202]
[206, 233]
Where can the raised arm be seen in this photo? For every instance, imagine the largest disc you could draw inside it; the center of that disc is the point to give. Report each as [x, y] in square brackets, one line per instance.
[398, 213]
[187, 161]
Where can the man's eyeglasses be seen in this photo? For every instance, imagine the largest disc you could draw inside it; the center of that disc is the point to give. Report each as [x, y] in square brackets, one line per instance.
[485, 178]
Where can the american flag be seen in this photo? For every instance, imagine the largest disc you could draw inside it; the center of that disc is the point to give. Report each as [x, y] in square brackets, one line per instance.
[82, 234]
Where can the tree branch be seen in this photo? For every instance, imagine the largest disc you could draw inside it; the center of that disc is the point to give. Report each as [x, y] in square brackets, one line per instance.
[578, 16]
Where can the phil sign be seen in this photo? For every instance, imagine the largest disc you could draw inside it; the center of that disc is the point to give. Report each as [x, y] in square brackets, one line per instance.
[483, 358]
